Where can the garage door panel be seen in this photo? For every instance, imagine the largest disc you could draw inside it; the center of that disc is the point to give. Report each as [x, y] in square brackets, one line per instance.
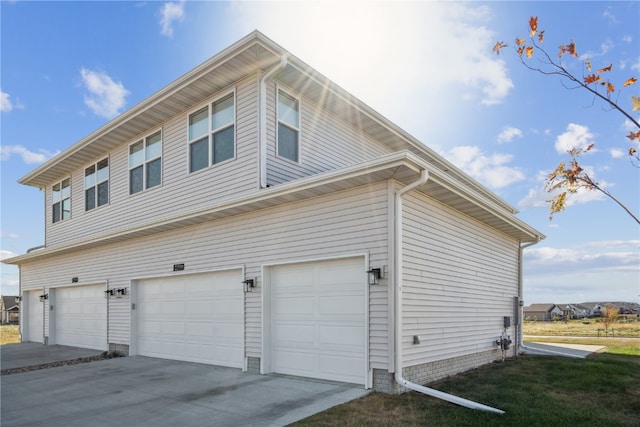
[36, 317]
[81, 317]
[318, 321]
[195, 318]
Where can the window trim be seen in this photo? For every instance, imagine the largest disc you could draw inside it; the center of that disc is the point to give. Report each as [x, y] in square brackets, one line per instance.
[97, 182]
[297, 130]
[145, 161]
[53, 203]
[211, 132]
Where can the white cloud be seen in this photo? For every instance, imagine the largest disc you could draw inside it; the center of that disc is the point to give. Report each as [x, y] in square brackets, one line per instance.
[105, 97]
[591, 256]
[170, 12]
[5, 102]
[616, 153]
[7, 105]
[508, 133]
[28, 156]
[8, 235]
[576, 136]
[491, 170]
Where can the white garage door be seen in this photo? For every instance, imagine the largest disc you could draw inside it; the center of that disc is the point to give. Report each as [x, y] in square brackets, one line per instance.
[81, 316]
[195, 318]
[35, 320]
[318, 320]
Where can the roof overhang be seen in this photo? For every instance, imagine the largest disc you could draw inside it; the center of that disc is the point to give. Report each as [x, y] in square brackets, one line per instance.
[404, 167]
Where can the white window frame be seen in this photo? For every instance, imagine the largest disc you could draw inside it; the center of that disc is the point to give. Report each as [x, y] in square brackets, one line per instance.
[96, 184]
[289, 125]
[145, 161]
[60, 201]
[211, 132]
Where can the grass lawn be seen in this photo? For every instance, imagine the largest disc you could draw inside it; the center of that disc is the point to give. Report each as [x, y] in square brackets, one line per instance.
[9, 334]
[601, 390]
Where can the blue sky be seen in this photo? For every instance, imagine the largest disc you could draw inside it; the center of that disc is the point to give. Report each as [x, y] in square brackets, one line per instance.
[69, 67]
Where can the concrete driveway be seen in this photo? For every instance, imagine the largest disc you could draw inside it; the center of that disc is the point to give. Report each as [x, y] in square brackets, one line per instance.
[141, 391]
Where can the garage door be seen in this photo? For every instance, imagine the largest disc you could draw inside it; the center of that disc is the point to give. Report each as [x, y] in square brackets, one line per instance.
[81, 317]
[318, 320]
[35, 320]
[195, 318]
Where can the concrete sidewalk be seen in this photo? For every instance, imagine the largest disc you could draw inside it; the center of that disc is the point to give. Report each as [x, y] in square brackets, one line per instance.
[33, 354]
[142, 391]
[557, 349]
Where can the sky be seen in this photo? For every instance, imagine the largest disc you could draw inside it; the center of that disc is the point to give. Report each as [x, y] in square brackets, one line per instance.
[67, 68]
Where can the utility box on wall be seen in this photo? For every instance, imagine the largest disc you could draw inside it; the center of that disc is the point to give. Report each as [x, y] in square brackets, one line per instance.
[507, 322]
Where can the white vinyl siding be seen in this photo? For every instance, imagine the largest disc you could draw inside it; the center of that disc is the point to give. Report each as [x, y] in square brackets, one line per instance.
[180, 190]
[326, 142]
[306, 230]
[459, 280]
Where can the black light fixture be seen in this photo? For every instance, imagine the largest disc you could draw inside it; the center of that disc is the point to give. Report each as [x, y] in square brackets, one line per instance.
[18, 298]
[120, 292]
[44, 297]
[109, 293]
[249, 284]
[374, 275]
[74, 280]
[178, 267]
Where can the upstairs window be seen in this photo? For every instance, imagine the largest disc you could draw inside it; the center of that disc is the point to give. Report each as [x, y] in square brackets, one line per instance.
[145, 163]
[96, 185]
[288, 127]
[61, 199]
[212, 134]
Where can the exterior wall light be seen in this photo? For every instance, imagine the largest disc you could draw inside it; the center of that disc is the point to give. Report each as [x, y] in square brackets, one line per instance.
[44, 297]
[18, 298]
[109, 293]
[249, 284]
[120, 292]
[374, 275]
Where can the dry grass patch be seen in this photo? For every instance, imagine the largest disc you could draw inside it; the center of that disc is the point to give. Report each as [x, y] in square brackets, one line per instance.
[581, 328]
[9, 334]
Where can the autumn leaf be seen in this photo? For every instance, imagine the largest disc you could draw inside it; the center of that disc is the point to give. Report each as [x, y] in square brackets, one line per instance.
[610, 88]
[520, 50]
[533, 24]
[591, 79]
[529, 50]
[541, 36]
[498, 46]
[572, 49]
[632, 151]
[630, 82]
[605, 69]
[519, 42]
[588, 65]
[635, 101]
[634, 135]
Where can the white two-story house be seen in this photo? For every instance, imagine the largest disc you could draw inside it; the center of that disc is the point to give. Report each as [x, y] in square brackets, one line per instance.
[253, 214]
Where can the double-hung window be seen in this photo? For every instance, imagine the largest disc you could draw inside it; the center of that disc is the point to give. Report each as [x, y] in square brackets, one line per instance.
[96, 185]
[145, 163]
[61, 199]
[212, 134]
[288, 127]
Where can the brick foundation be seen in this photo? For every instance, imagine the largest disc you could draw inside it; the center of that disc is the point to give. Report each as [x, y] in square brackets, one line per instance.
[120, 349]
[253, 365]
[384, 382]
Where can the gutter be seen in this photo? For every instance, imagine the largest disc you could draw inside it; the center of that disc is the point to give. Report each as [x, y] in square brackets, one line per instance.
[424, 177]
[519, 341]
[262, 105]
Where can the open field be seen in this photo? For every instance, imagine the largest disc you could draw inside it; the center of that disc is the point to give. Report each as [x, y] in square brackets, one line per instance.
[603, 389]
[582, 328]
[9, 334]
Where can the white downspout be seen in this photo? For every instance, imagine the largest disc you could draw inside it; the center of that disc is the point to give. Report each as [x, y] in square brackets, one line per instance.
[424, 177]
[262, 154]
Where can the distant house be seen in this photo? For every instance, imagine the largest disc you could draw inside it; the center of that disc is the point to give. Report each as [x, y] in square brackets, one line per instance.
[10, 309]
[542, 312]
